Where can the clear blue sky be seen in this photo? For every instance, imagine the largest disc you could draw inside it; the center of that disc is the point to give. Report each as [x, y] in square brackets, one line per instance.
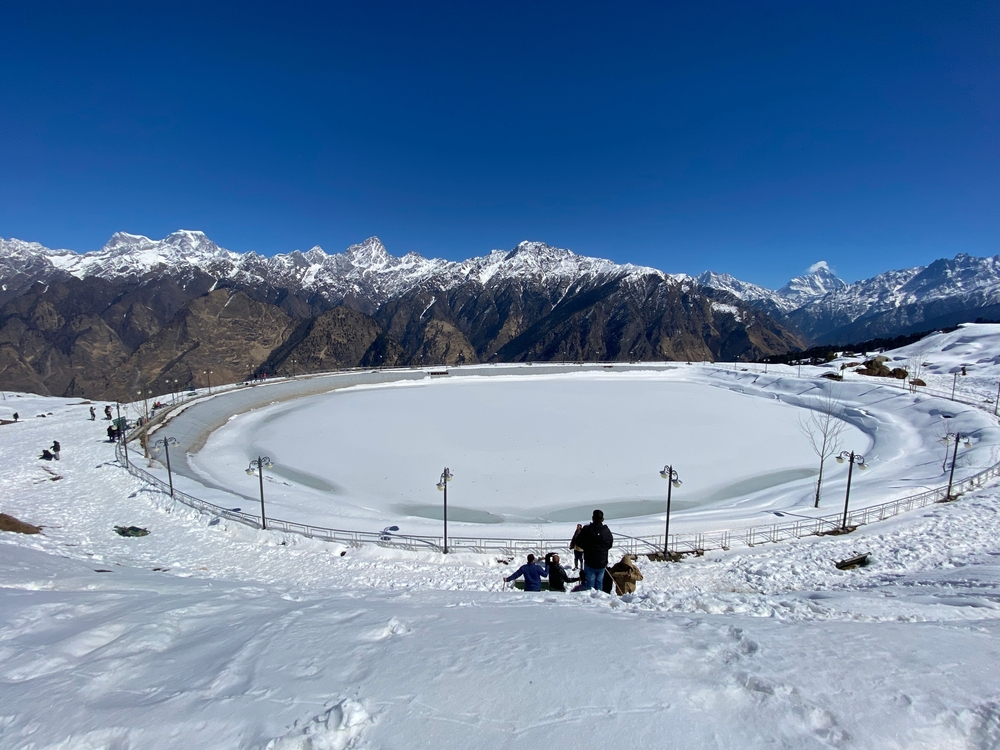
[748, 137]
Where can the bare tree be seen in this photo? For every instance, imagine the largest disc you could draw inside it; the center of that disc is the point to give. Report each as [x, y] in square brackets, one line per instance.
[915, 365]
[823, 429]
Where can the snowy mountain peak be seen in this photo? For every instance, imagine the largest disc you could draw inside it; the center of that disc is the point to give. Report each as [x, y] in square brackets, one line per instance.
[369, 253]
[316, 254]
[537, 250]
[124, 241]
[817, 282]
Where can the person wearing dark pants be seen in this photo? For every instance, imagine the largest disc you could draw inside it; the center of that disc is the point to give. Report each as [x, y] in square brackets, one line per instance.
[596, 539]
[577, 549]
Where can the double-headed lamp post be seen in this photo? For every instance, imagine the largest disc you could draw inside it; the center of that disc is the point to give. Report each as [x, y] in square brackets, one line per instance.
[260, 463]
[957, 437]
[208, 375]
[670, 474]
[446, 476]
[166, 443]
[852, 458]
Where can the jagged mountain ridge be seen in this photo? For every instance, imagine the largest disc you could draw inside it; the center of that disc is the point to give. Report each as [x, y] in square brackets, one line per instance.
[365, 273]
[365, 276]
[827, 310]
[174, 311]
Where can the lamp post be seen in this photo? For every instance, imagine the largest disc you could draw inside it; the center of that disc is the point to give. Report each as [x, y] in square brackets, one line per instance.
[166, 443]
[954, 381]
[446, 476]
[997, 404]
[260, 463]
[957, 437]
[208, 375]
[669, 473]
[852, 458]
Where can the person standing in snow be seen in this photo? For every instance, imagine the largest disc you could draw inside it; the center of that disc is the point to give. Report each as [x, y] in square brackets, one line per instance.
[557, 576]
[532, 572]
[15, 416]
[596, 539]
[93, 413]
[577, 549]
[107, 412]
[625, 575]
[55, 449]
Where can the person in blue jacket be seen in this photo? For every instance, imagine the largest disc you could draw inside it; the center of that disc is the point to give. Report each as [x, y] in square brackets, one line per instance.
[533, 574]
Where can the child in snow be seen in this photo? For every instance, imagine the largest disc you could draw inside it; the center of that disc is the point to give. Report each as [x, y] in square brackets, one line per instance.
[55, 449]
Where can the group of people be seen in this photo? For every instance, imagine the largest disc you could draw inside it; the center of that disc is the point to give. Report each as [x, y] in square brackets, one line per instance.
[52, 452]
[591, 544]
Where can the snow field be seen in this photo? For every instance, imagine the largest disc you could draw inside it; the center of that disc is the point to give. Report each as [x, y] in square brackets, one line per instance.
[366, 457]
[259, 640]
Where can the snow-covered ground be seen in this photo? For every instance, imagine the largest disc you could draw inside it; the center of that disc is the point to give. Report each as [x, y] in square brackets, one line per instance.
[525, 450]
[213, 635]
[534, 454]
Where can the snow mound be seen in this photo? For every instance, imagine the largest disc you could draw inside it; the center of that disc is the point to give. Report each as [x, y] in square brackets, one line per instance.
[337, 728]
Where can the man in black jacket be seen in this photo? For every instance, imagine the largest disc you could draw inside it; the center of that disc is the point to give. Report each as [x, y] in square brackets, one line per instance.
[596, 540]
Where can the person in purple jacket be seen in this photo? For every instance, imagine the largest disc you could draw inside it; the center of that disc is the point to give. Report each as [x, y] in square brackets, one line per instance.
[533, 574]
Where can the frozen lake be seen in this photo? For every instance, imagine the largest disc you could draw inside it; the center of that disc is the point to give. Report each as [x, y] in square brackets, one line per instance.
[524, 450]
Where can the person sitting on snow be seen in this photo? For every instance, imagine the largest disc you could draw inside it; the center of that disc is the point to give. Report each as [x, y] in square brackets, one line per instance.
[533, 574]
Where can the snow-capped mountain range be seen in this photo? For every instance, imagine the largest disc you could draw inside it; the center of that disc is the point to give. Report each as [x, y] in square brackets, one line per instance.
[817, 303]
[364, 270]
[826, 309]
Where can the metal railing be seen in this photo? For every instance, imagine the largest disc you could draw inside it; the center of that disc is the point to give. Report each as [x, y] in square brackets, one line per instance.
[679, 543]
[685, 543]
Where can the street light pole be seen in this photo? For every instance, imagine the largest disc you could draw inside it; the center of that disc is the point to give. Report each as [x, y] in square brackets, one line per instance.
[260, 463]
[852, 458]
[446, 476]
[997, 404]
[208, 374]
[166, 443]
[670, 474]
[954, 457]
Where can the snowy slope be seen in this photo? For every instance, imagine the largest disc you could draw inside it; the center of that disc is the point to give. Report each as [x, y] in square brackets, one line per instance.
[208, 635]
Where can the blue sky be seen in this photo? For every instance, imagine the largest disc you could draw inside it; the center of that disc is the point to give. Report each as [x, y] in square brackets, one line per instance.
[751, 137]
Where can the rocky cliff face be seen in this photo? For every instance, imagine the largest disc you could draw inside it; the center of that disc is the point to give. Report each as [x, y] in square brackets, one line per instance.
[143, 315]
